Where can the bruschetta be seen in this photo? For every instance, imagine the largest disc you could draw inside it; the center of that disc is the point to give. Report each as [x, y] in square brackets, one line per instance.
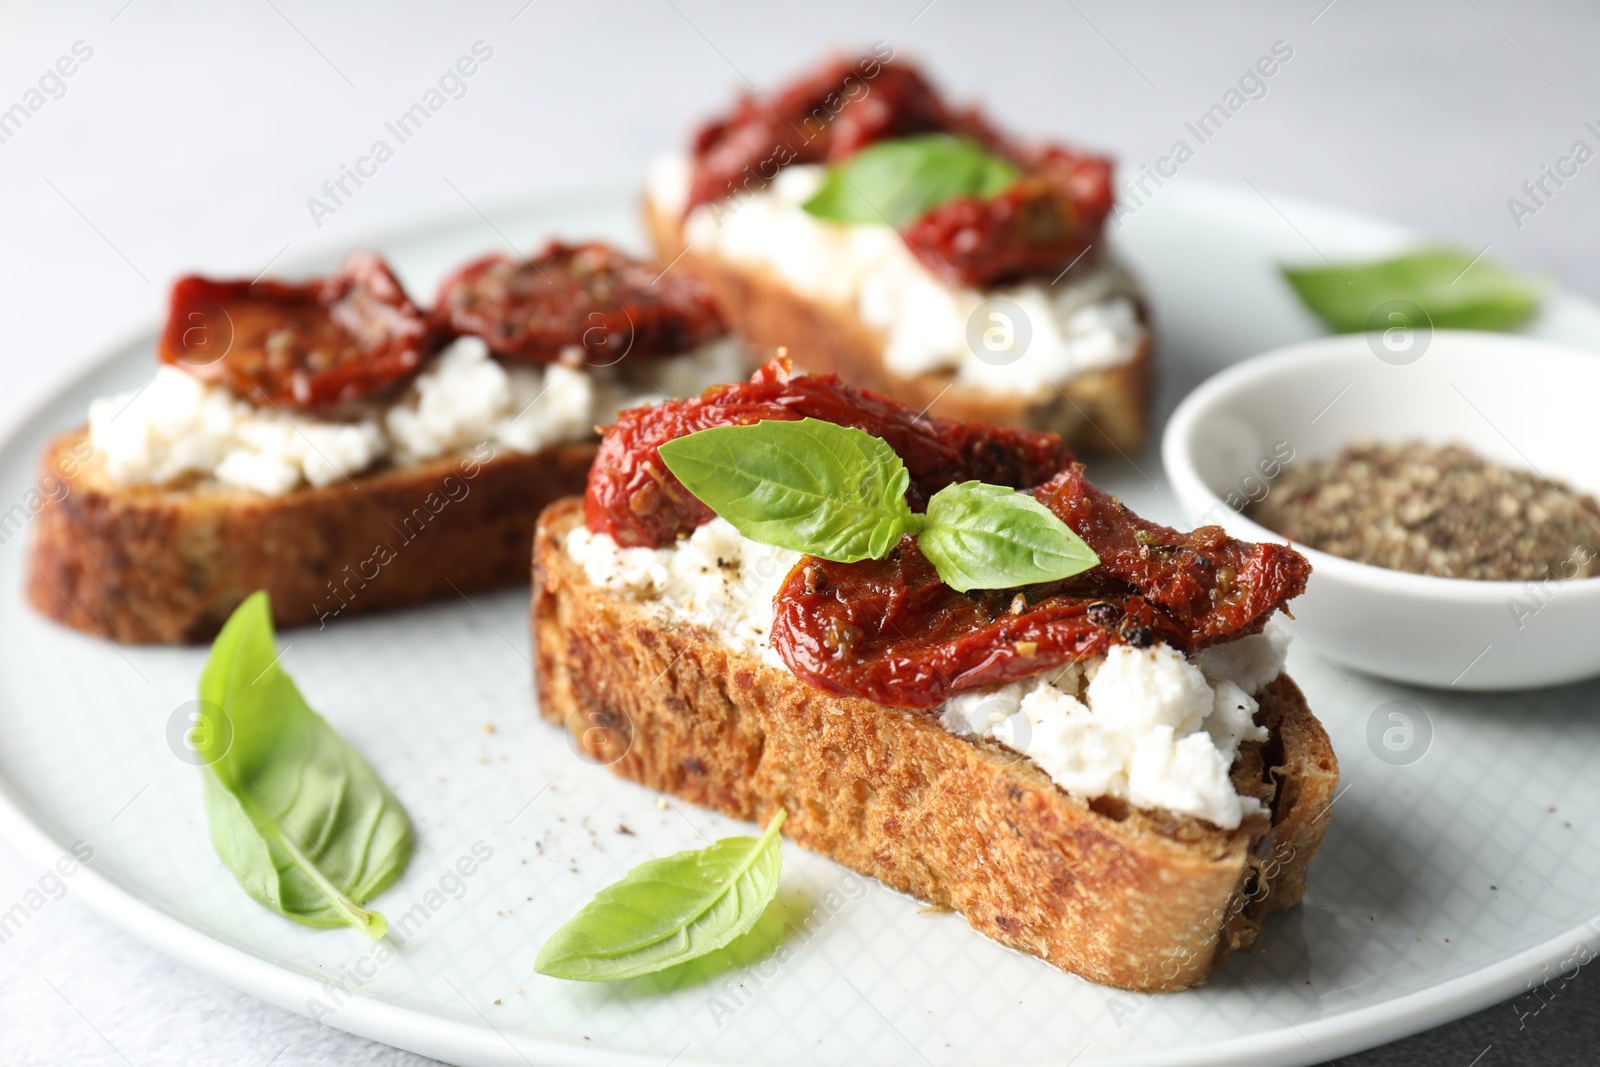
[348, 451]
[1110, 771]
[909, 246]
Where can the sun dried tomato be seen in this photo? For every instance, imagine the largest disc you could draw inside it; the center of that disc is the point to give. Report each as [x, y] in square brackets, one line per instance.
[820, 117]
[589, 300]
[1039, 226]
[313, 346]
[636, 500]
[1209, 587]
[888, 630]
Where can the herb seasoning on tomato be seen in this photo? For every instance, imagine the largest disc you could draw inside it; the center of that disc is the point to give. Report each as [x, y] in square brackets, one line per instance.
[310, 347]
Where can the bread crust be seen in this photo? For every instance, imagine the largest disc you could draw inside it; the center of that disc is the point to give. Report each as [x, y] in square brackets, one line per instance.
[1098, 411]
[167, 565]
[1139, 900]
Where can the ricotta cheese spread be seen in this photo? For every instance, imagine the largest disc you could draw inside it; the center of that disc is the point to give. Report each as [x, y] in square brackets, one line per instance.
[714, 578]
[1086, 320]
[176, 426]
[1149, 726]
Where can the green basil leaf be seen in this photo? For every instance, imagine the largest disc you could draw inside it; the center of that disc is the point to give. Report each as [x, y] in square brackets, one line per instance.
[296, 814]
[981, 536]
[896, 181]
[811, 486]
[1486, 297]
[667, 911]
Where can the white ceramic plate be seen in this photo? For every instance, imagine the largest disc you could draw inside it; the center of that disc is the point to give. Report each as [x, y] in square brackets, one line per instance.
[1454, 869]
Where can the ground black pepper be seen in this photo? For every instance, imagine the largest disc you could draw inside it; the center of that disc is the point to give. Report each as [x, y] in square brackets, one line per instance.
[1439, 510]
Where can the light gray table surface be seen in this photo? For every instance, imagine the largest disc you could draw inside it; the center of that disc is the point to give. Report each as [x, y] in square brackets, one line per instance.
[193, 135]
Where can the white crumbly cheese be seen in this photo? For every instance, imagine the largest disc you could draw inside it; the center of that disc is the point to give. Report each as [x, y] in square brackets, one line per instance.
[1087, 320]
[714, 579]
[466, 397]
[176, 426]
[1145, 725]
[1250, 662]
[1150, 726]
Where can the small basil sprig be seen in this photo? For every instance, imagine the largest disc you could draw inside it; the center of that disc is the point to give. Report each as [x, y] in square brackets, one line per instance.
[838, 493]
[296, 814]
[896, 181]
[1453, 289]
[668, 911]
[981, 536]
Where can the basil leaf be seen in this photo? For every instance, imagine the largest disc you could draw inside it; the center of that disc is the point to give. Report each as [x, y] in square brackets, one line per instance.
[1486, 297]
[991, 537]
[811, 486]
[896, 181]
[667, 911]
[839, 493]
[296, 814]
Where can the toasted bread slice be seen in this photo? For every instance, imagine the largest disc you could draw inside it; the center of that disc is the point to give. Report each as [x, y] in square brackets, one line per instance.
[1097, 411]
[1135, 899]
[168, 564]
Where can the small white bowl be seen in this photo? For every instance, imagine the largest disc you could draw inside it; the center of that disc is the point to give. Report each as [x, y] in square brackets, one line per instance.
[1514, 401]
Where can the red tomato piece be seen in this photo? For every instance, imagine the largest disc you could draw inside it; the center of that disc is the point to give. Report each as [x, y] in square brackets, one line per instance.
[1038, 227]
[309, 347]
[585, 301]
[820, 117]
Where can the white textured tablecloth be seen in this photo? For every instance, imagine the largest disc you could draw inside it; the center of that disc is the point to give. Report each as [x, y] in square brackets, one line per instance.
[191, 136]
